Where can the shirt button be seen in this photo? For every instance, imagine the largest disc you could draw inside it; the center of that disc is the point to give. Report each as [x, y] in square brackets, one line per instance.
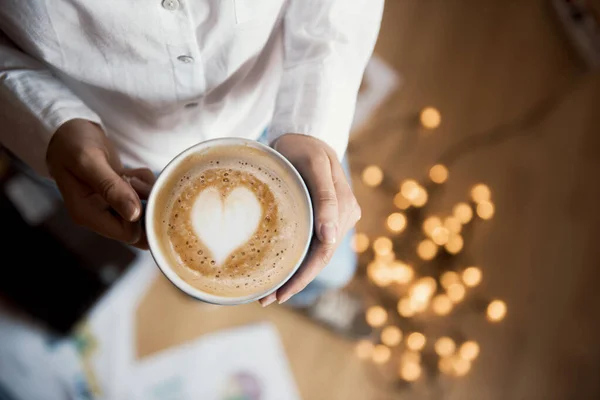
[186, 59]
[191, 105]
[170, 5]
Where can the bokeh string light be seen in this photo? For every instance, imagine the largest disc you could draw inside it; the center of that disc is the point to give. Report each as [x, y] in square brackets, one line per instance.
[485, 210]
[440, 244]
[430, 118]
[410, 368]
[360, 242]
[381, 354]
[401, 202]
[469, 350]
[481, 193]
[382, 245]
[496, 311]
[391, 336]
[410, 372]
[441, 304]
[372, 176]
[416, 341]
[454, 244]
[396, 222]
[463, 212]
[472, 276]
[448, 278]
[427, 250]
[456, 292]
[401, 273]
[376, 316]
[438, 174]
[445, 346]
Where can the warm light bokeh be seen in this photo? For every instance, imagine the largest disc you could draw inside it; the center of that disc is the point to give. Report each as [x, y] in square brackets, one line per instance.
[427, 250]
[382, 246]
[401, 202]
[430, 118]
[460, 366]
[381, 354]
[448, 278]
[410, 189]
[438, 173]
[360, 242]
[405, 308]
[379, 273]
[469, 350]
[445, 346]
[401, 273]
[481, 193]
[430, 224]
[376, 316]
[455, 244]
[391, 336]
[416, 341]
[456, 292]
[421, 198]
[463, 212]
[472, 276]
[485, 210]
[441, 304]
[453, 225]
[410, 372]
[440, 235]
[421, 291]
[496, 311]
[445, 365]
[396, 222]
[372, 176]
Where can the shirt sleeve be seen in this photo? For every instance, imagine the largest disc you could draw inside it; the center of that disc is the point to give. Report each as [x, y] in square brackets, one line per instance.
[34, 104]
[327, 44]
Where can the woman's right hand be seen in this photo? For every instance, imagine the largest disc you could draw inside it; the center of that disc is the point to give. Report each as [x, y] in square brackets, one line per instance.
[98, 192]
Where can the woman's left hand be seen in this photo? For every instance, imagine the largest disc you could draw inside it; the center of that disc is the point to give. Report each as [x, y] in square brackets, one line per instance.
[336, 210]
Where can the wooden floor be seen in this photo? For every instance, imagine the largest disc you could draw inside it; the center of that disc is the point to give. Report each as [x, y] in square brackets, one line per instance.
[482, 64]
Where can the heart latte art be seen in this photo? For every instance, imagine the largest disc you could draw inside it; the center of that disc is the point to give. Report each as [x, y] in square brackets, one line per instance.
[225, 223]
[231, 225]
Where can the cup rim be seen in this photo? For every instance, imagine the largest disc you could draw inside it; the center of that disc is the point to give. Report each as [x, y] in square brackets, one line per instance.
[160, 259]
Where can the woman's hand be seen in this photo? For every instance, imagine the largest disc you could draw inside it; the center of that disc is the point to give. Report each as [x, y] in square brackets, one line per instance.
[336, 208]
[98, 192]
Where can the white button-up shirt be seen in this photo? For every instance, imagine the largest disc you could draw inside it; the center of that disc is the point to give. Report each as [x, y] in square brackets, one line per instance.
[162, 75]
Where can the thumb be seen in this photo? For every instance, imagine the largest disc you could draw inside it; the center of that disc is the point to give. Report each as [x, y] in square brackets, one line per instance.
[97, 173]
[319, 180]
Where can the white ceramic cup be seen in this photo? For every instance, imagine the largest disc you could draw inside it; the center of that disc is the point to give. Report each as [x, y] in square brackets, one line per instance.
[153, 242]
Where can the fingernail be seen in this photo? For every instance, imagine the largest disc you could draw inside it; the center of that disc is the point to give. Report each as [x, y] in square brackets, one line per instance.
[328, 233]
[133, 210]
[285, 298]
[269, 300]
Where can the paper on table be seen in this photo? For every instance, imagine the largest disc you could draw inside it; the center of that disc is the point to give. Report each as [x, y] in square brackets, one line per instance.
[245, 363]
[36, 365]
[108, 332]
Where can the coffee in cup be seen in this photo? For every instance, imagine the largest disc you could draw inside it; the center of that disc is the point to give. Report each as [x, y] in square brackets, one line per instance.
[229, 221]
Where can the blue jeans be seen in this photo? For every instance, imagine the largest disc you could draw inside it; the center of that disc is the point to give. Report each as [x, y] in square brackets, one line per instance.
[337, 273]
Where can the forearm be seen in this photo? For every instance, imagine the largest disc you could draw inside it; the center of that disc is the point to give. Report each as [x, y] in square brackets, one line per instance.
[34, 104]
[327, 46]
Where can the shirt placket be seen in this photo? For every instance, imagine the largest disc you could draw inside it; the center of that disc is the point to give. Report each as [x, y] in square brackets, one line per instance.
[186, 59]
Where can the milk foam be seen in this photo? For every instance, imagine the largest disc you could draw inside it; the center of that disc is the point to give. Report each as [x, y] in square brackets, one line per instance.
[224, 224]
